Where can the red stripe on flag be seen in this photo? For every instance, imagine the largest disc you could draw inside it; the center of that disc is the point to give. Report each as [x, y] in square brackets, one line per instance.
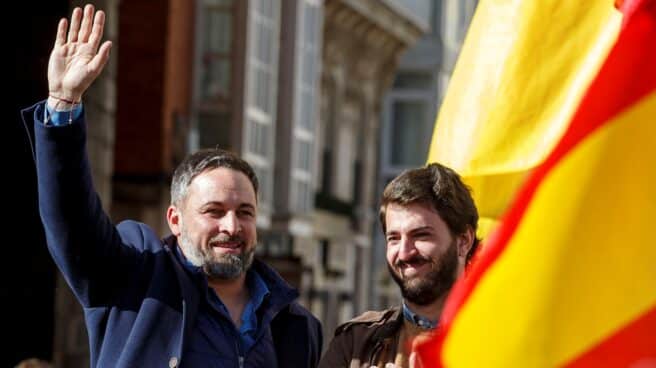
[616, 87]
[632, 346]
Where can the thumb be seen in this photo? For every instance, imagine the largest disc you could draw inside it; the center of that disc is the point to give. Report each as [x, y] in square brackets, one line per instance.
[414, 360]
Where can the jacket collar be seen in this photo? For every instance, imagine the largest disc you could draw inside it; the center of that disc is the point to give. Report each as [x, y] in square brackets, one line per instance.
[417, 320]
[190, 296]
[281, 293]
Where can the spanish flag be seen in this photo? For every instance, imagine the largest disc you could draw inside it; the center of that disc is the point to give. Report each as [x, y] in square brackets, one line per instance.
[521, 74]
[568, 278]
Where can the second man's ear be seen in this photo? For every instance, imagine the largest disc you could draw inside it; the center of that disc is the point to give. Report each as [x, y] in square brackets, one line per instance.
[465, 241]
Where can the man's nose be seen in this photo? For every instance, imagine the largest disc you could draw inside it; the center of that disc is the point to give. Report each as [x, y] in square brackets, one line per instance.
[406, 248]
[229, 223]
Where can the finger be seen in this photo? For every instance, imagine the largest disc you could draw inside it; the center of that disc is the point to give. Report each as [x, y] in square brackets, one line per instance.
[98, 62]
[75, 25]
[415, 360]
[87, 21]
[97, 31]
[61, 32]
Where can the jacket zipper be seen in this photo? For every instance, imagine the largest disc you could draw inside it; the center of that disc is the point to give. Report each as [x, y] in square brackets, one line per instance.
[240, 359]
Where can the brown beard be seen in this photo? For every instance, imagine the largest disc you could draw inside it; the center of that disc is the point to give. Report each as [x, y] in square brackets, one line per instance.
[424, 290]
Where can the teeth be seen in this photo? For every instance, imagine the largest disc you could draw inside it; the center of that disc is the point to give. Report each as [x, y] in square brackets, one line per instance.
[226, 245]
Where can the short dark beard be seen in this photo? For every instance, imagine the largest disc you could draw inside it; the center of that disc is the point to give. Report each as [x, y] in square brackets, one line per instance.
[437, 283]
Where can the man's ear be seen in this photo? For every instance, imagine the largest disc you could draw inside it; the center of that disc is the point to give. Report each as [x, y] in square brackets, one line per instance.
[173, 217]
[465, 242]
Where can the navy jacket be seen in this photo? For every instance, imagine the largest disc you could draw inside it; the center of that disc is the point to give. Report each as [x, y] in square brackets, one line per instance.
[139, 303]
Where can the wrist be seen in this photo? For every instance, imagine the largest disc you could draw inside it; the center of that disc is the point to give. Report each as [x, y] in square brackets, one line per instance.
[58, 103]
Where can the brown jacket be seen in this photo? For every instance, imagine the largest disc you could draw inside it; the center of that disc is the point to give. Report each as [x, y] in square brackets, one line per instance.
[370, 339]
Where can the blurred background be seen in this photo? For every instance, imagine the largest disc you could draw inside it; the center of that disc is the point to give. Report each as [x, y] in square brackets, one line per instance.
[327, 99]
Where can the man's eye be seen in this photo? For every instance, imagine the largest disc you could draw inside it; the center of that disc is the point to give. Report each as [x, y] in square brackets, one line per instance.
[246, 213]
[215, 212]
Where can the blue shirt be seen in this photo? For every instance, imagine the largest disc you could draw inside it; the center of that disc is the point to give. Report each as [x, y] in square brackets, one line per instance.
[59, 118]
[418, 320]
[213, 322]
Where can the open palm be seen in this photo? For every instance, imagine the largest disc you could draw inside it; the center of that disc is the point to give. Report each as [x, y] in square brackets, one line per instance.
[76, 61]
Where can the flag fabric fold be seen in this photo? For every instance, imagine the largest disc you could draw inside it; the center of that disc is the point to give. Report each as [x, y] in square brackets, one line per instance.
[520, 75]
[569, 276]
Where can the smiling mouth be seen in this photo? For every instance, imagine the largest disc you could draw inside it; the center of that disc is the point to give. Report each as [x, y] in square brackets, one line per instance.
[411, 265]
[415, 262]
[227, 245]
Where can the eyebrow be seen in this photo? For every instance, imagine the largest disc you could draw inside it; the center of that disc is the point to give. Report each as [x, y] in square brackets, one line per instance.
[423, 228]
[221, 204]
[247, 205]
[415, 230]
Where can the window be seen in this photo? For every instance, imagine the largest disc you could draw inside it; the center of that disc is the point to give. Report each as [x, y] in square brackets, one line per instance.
[274, 244]
[265, 178]
[216, 42]
[409, 117]
[263, 56]
[215, 128]
[407, 136]
[210, 122]
[412, 80]
[263, 45]
[258, 140]
[306, 92]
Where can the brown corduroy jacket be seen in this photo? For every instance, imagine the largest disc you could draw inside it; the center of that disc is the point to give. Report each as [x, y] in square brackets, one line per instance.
[370, 339]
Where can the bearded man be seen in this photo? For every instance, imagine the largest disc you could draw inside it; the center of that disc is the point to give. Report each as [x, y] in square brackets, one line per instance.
[429, 220]
[196, 298]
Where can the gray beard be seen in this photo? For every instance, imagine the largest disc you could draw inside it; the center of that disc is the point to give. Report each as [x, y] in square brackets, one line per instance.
[223, 267]
[437, 283]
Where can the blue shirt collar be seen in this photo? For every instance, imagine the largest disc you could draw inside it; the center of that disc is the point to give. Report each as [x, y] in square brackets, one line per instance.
[257, 288]
[418, 320]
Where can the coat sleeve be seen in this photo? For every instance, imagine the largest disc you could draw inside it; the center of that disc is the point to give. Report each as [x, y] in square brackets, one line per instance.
[82, 240]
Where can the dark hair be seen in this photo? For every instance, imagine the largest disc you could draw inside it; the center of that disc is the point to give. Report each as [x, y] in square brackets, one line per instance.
[440, 187]
[203, 160]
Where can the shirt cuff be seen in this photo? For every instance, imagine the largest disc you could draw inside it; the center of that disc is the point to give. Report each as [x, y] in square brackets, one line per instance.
[59, 118]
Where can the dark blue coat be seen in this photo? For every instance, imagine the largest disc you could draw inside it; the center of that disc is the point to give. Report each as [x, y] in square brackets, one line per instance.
[139, 303]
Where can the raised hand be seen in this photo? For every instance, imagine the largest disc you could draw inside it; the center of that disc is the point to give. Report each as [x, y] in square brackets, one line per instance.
[76, 61]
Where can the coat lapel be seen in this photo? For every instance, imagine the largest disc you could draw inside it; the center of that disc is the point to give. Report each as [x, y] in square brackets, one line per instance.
[189, 293]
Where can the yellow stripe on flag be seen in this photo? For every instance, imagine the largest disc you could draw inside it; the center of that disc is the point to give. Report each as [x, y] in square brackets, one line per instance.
[522, 72]
[557, 289]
